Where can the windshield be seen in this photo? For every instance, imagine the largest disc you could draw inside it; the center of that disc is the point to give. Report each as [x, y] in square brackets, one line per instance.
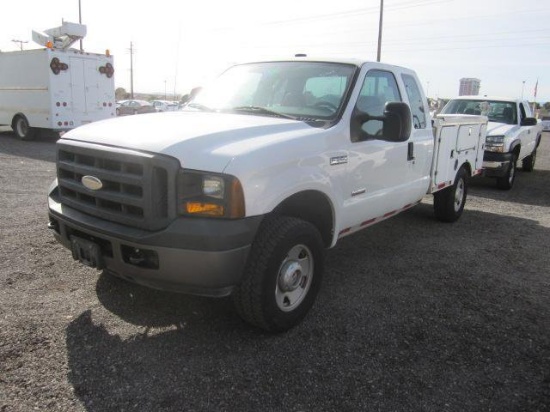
[299, 90]
[496, 111]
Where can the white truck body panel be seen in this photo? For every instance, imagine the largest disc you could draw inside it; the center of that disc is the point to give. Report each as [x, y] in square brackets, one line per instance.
[459, 139]
[75, 96]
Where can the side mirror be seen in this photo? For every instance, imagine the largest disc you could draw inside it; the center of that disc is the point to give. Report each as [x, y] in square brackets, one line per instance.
[529, 121]
[397, 122]
[393, 126]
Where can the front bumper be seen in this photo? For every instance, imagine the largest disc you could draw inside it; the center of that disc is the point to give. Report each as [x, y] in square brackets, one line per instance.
[496, 164]
[192, 255]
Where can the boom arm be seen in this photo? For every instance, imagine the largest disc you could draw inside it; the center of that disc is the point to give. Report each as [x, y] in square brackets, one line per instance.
[61, 37]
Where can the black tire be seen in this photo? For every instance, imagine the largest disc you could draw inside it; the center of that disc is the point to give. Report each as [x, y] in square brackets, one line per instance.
[283, 274]
[22, 129]
[506, 182]
[449, 202]
[528, 164]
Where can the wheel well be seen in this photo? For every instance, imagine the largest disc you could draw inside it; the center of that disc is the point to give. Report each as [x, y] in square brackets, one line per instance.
[313, 207]
[468, 167]
[516, 147]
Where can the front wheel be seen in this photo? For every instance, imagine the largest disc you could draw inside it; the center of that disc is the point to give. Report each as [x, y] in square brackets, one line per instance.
[283, 274]
[507, 181]
[449, 203]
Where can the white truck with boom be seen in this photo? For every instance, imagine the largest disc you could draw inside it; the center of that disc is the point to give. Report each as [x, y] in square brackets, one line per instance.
[241, 193]
[55, 88]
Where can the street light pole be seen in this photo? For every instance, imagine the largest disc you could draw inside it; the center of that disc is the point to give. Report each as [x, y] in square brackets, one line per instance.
[380, 31]
[132, 70]
[522, 89]
[80, 21]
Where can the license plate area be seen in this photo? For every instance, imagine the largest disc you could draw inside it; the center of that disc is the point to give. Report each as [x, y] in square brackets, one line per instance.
[86, 252]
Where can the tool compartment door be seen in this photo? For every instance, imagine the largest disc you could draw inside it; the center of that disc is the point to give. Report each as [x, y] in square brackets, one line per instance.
[446, 139]
[459, 139]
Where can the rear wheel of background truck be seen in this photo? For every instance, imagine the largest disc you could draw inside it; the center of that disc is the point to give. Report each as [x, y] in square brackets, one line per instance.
[507, 181]
[528, 164]
[22, 129]
[283, 274]
[449, 203]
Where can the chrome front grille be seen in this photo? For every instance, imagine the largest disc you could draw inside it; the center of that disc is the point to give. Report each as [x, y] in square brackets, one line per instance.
[137, 188]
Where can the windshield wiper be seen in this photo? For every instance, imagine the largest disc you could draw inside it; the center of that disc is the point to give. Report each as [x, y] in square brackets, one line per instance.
[261, 110]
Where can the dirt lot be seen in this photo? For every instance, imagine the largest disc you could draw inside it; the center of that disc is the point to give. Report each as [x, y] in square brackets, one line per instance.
[414, 315]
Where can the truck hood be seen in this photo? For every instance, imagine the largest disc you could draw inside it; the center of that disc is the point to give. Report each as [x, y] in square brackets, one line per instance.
[199, 140]
[500, 129]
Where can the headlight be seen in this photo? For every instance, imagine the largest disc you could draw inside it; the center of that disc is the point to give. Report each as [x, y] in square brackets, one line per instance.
[494, 144]
[207, 194]
[494, 139]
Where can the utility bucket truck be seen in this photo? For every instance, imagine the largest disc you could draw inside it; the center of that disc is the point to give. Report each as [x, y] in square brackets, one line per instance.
[56, 87]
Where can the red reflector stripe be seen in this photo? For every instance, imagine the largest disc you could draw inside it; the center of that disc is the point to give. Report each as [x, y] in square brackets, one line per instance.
[343, 232]
[441, 185]
[368, 222]
[390, 213]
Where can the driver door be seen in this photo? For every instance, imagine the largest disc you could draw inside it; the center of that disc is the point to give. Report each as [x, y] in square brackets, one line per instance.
[378, 170]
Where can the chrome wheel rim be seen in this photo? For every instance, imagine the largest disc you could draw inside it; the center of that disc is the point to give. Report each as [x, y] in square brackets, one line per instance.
[294, 278]
[22, 128]
[459, 194]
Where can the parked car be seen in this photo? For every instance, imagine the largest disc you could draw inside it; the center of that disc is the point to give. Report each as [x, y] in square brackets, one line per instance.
[165, 106]
[545, 124]
[134, 107]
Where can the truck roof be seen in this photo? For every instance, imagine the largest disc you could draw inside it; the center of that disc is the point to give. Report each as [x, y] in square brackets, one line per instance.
[493, 98]
[353, 61]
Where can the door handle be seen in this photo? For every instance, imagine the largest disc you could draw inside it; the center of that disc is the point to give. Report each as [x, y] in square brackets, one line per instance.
[410, 151]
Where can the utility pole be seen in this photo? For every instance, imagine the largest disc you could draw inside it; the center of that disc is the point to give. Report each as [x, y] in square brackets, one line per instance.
[380, 31]
[80, 22]
[131, 70]
[21, 42]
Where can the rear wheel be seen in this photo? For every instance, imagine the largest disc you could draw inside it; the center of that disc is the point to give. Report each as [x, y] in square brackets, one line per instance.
[283, 274]
[528, 164]
[22, 129]
[449, 203]
[507, 181]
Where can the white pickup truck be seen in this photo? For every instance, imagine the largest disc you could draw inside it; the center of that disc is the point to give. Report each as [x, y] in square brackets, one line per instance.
[513, 134]
[269, 166]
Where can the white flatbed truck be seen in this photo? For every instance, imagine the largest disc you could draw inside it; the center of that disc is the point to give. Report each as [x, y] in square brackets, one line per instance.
[55, 88]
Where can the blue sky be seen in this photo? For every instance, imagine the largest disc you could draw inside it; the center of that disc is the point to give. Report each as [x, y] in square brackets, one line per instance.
[180, 45]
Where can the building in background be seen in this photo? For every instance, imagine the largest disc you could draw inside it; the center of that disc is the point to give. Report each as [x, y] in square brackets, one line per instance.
[469, 87]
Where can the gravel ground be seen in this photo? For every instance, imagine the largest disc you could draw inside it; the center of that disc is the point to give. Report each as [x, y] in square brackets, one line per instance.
[414, 315]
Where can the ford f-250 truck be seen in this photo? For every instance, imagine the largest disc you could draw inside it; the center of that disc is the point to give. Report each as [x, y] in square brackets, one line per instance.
[269, 166]
[513, 134]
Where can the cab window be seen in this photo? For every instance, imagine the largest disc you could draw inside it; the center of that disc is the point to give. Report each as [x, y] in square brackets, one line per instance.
[416, 101]
[379, 87]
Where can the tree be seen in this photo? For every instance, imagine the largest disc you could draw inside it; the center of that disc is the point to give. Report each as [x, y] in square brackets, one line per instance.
[121, 93]
[547, 106]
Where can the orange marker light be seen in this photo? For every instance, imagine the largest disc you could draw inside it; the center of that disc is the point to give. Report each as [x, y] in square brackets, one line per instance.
[204, 209]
